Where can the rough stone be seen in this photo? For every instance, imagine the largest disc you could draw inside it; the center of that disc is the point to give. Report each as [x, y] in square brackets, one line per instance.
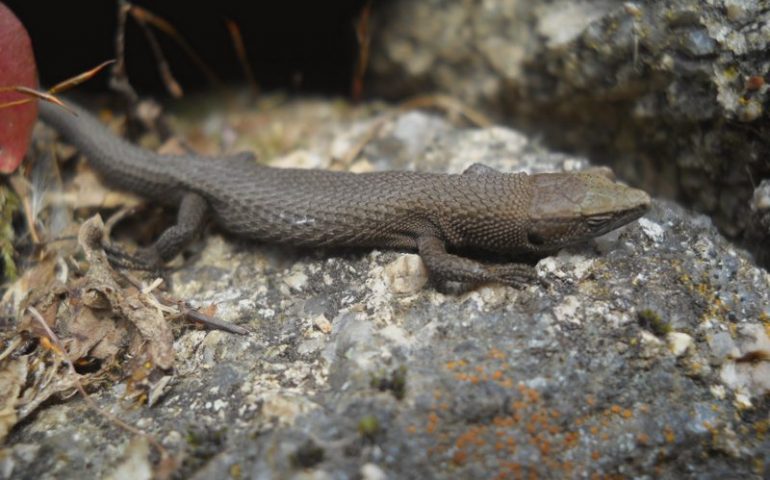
[673, 95]
[345, 376]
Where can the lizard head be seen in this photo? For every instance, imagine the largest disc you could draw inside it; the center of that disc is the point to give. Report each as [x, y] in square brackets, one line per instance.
[569, 208]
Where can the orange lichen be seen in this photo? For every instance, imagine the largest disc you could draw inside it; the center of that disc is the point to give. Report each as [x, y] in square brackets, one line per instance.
[496, 354]
[571, 439]
[627, 413]
[506, 383]
[503, 421]
[668, 434]
[544, 446]
[459, 457]
[471, 437]
[432, 422]
[451, 365]
[531, 421]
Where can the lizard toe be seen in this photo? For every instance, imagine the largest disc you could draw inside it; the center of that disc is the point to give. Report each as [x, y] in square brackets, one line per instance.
[516, 274]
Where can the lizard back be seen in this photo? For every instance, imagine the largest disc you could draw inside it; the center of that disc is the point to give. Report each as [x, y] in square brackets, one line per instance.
[309, 207]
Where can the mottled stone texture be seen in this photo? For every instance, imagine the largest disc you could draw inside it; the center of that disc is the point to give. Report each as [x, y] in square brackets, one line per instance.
[671, 94]
[639, 356]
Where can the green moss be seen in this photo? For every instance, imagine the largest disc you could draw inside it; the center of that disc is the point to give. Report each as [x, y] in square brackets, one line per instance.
[394, 381]
[307, 455]
[368, 426]
[9, 205]
[652, 321]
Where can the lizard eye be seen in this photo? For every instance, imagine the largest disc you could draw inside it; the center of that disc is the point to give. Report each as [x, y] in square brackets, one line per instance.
[598, 221]
[535, 238]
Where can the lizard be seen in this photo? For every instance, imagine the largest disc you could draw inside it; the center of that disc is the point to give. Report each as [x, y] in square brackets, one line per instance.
[439, 215]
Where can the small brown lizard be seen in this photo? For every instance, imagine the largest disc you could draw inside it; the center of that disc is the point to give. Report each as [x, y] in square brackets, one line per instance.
[481, 209]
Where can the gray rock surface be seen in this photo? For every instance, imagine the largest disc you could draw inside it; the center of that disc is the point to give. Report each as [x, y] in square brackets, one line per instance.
[640, 358]
[672, 93]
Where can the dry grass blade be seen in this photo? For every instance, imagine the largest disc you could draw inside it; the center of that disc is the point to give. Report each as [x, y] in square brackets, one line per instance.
[172, 86]
[450, 105]
[30, 93]
[240, 51]
[21, 186]
[48, 96]
[364, 37]
[143, 16]
[80, 78]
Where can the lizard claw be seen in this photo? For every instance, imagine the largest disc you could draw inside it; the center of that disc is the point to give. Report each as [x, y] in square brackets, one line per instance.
[144, 259]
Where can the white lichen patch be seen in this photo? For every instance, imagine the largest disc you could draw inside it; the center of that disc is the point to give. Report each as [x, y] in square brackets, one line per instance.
[652, 230]
[569, 310]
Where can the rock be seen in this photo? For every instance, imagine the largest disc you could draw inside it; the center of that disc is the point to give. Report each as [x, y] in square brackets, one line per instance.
[678, 343]
[352, 370]
[671, 94]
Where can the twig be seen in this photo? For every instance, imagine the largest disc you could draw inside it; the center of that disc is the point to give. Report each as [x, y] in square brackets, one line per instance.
[172, 86]
[11, 347]
[364, 37]
[240, 51]
[118, 77]
[211, 322]
[142, 15]
[189, 312]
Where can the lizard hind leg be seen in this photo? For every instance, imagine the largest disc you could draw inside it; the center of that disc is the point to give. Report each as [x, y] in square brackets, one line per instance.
[190, 220]
[445, 266]
[480, 169]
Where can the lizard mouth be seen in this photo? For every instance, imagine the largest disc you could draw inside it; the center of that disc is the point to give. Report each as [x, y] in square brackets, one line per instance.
[637, 204]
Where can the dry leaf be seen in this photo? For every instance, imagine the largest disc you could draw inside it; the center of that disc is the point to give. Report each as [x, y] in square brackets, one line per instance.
[13, 374]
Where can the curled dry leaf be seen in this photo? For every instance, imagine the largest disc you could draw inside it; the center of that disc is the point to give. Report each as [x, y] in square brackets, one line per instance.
[139, 309]
[96, 317]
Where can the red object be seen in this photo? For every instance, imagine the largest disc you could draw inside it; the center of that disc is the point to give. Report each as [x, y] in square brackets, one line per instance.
[17, 68]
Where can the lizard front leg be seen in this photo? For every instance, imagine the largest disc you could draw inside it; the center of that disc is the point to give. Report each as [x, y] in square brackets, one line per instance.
[446, 266]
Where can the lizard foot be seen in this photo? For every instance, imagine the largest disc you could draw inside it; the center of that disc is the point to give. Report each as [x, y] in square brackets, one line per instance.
[144, 259]
[518, 275]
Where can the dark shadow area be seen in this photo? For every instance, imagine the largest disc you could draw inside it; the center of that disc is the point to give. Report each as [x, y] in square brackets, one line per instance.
[308, 47]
